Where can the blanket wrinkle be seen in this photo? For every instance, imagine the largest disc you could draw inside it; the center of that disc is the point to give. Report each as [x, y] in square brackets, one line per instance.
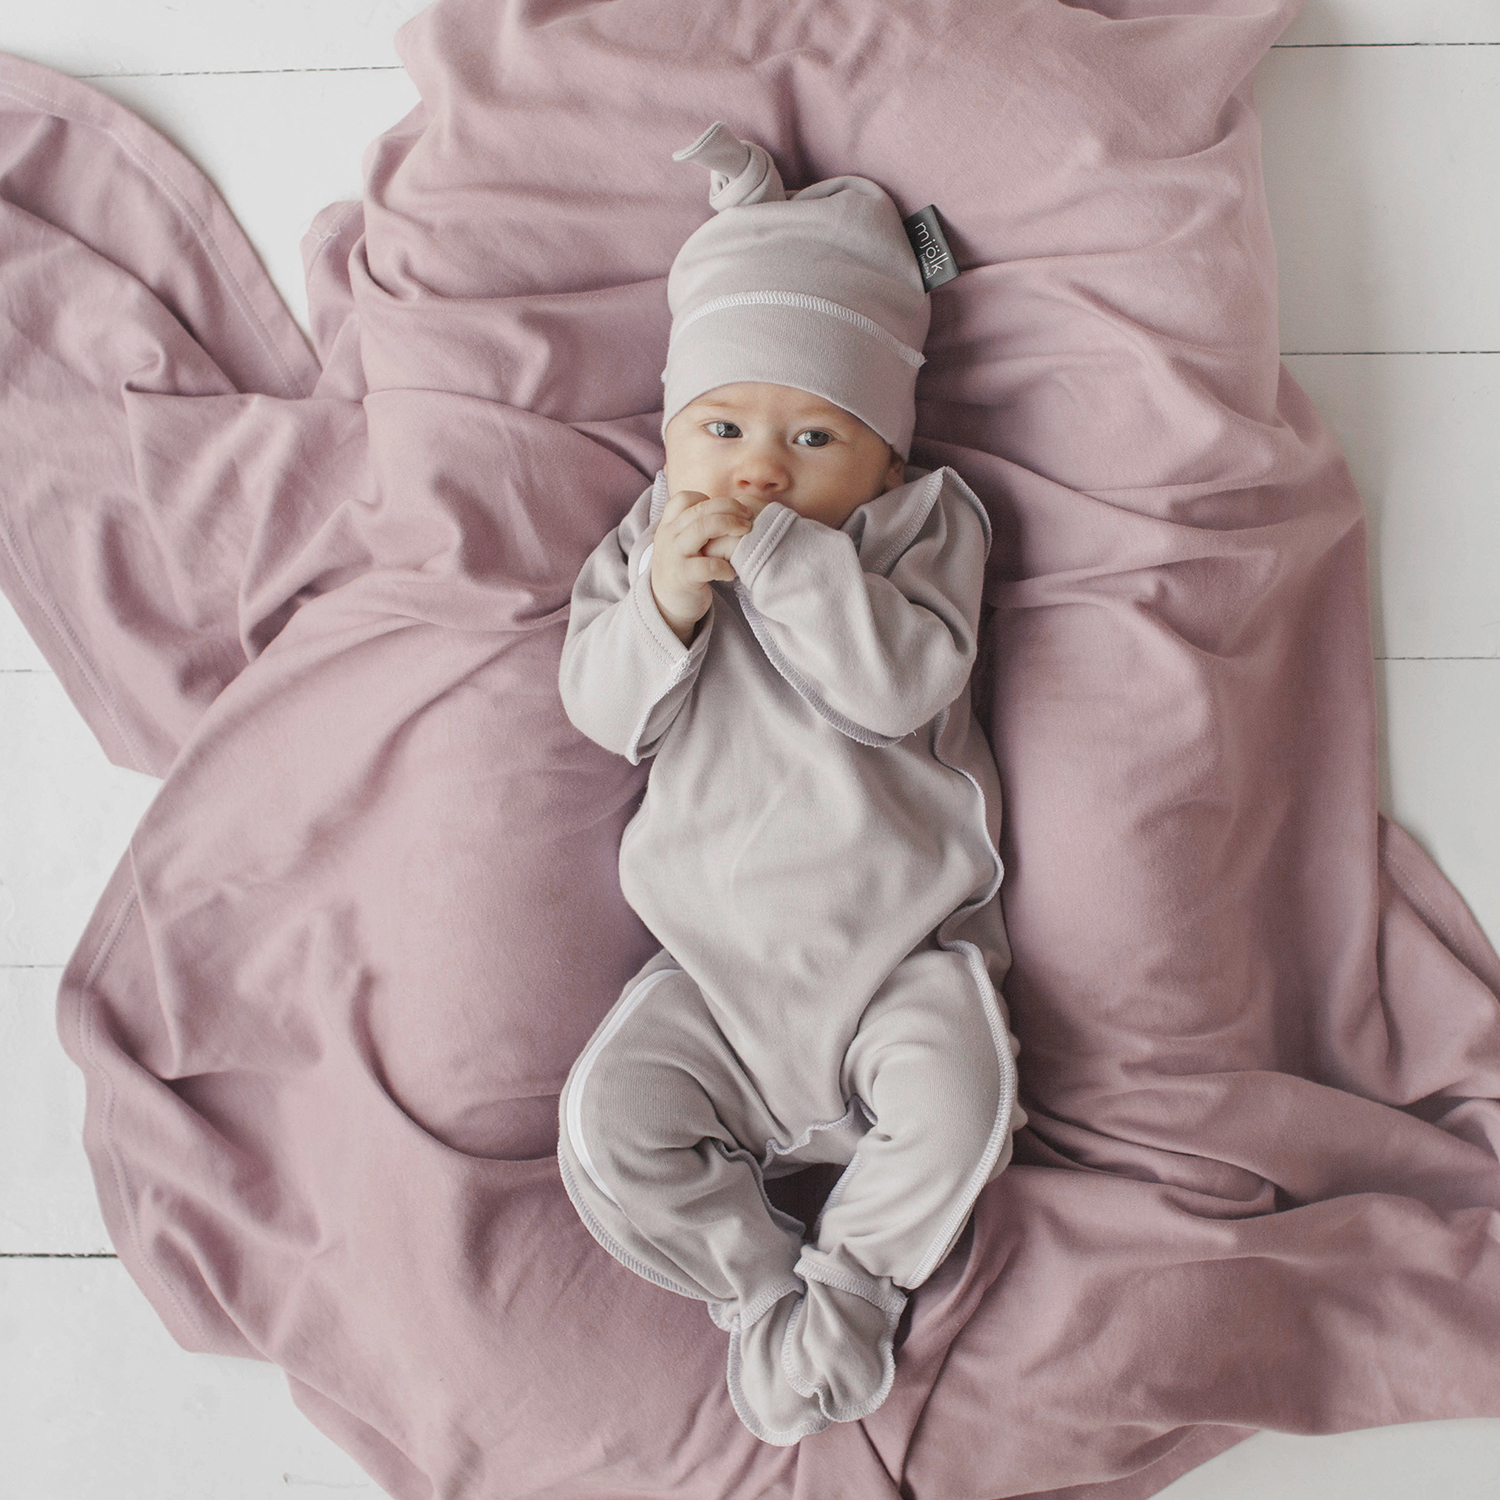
[570, 356]
[199, 457]
[328, 250]
[328, 998]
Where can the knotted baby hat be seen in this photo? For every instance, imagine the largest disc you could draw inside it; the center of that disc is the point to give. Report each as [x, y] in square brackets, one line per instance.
[820, 291]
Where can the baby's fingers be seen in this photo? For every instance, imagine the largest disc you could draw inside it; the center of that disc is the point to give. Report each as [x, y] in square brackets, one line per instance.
[706, 569]
[721, 546]
[702, 526]
[679, 501]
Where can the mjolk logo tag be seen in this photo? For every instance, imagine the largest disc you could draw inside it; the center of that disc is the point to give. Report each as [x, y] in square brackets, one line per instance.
[930, 248]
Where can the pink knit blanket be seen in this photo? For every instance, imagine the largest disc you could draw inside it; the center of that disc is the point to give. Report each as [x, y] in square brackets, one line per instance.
[329, 997]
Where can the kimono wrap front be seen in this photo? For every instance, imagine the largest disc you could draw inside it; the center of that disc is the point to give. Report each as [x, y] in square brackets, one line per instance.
[816, 852]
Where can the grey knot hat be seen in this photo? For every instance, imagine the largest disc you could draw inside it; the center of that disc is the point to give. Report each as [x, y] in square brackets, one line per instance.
[820, 291]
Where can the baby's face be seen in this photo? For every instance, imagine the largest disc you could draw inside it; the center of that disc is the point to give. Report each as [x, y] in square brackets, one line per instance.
[757, 443]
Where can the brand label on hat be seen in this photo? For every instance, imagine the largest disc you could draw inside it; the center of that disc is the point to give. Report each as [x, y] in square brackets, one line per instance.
[931, 249]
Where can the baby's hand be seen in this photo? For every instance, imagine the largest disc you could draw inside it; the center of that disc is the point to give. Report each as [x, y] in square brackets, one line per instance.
[692, 545]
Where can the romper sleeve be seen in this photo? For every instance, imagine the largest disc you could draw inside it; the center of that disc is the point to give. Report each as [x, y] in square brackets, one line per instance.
[880, 649]
[624, 674]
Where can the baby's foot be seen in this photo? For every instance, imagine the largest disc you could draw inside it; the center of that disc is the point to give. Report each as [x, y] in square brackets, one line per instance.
[763, 1397]
[837, 1347]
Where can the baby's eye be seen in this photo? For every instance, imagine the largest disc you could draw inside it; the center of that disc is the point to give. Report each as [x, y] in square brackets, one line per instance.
[822, 439]
[712, 433]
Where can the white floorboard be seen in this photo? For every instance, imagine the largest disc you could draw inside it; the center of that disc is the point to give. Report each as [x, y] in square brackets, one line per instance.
[47, 1201]
[90, 37]
[98, 1403]
[1380, 196]
[1394, 23]
[1441, 730]
[1423, 444]
[1421, 1461]
[18, 652]
[65, 819]
[1381, 126]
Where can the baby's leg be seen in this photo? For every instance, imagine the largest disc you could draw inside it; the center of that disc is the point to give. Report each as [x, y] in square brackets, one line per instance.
[661, 1137]
[932, 1064]
[661, 1134]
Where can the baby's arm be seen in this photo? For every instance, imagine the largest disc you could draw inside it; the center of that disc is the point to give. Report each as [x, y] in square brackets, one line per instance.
[886, 651]
[624, 673]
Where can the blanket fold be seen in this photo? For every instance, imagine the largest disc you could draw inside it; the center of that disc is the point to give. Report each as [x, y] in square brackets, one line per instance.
[328, 1000]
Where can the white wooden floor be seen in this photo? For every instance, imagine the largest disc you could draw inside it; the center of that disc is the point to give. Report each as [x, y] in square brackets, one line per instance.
[1382, 130]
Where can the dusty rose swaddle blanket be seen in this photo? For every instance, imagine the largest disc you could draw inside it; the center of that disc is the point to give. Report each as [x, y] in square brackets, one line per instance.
[330, 995]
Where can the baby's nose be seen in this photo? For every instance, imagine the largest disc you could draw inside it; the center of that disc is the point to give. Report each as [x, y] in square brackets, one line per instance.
[761, 476]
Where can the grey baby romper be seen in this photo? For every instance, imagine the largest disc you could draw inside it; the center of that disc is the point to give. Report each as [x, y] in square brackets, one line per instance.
[816, 851]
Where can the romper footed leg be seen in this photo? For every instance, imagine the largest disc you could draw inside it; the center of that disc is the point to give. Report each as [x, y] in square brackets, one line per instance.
[662, 1128]
[655, 1120]
[932, 1063]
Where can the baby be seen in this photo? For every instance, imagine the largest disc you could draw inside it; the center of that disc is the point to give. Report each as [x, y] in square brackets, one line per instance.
[786, 621]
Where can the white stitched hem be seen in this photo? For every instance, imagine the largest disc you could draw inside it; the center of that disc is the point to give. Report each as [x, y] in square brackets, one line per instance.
[804, 303]
[953, 1223]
